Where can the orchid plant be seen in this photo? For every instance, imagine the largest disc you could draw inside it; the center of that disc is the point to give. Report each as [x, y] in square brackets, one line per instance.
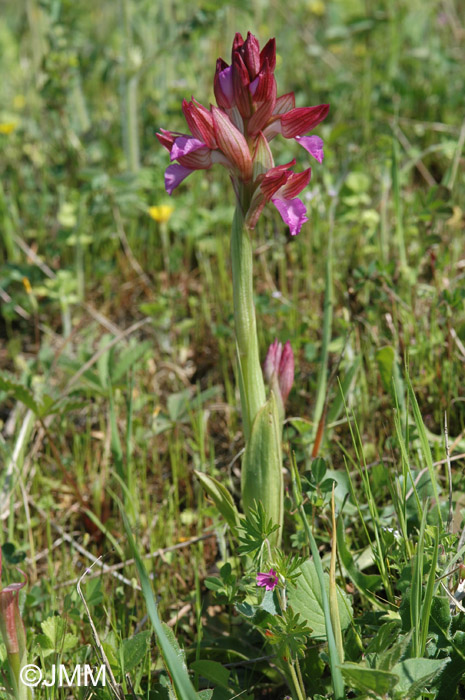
[236, 133]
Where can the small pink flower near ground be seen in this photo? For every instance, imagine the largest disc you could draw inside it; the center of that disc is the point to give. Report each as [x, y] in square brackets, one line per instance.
[269, 580]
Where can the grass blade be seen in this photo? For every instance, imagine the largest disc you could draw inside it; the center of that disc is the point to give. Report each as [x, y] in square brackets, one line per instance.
[181, 681]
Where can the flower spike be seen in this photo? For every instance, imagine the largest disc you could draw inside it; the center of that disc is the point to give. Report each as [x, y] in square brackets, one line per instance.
[248, 115]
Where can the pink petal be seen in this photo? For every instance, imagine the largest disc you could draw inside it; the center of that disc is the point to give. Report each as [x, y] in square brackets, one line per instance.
[284, 103]
[185, 145]
[273, 129]
[167, 138]
[260, 117]
[276, 178]
[250, 52]
[268, 53]
[174, 175]
[223, 86]
[286, 370]
[265, 99]
[241, 82]
[254, 85]
[293, 213]
[272, 360]
[200, 122]
[294, 184]
[312, 144]
[301, 119]
[237, 41]
[262, 157]
[263, 88]
[232, 143]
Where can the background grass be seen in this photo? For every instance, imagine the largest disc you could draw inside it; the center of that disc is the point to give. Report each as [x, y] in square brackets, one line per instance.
[126, 323]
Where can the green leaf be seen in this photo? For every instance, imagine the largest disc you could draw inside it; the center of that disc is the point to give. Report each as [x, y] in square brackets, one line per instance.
[19, 392]
[128, 358]
[389, 657]
[54, 629]
[415, 674]
[306, 600]
[175, 645]
[386, 635]
[177, 405]
[368, 680]
[262, 476]
[134, 650]
[243, 395]
[213, 583]
[366, 583]
[327, 485]
[180, 678]
[440, 617]
[301, 425]
[318, 469]
[344, 391]
[212, 671]
[222, 499]
[452, 674]
[425, 448]
[385, 358]
[246, 609]
[205, 694]
[269, 603]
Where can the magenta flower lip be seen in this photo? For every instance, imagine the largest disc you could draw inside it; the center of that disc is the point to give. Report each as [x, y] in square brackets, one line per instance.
[236, 133]
[270, 580]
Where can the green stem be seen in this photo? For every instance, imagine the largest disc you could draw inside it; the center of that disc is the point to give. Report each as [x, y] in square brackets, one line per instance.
[334, 660]
[296, 681]
[252, 386]
[299, 675]
[325, 341]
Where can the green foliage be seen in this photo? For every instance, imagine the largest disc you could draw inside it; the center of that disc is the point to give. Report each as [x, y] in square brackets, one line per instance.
[117, 351]
[222, 499]
[255, 532]
[55, 639]
[262, 479]
[306, 599]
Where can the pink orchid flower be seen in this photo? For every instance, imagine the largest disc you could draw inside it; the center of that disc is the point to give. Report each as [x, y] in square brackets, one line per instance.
[237, 132]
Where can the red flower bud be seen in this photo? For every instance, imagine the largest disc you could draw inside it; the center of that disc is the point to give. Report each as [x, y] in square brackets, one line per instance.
[279, 364]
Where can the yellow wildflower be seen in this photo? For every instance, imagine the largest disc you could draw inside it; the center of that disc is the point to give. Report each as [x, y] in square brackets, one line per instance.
[27, 285]
[317, 7]
[161, 213]
[7, 127]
